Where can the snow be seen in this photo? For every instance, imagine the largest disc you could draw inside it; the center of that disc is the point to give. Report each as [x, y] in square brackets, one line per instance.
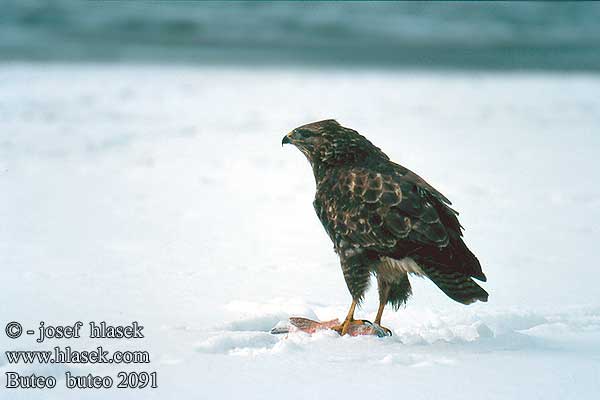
[161, 194]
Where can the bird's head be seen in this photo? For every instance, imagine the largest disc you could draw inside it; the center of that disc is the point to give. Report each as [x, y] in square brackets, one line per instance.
[329, 143]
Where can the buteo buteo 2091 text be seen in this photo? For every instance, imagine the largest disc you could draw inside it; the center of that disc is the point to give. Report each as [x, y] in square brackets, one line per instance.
[384, 220]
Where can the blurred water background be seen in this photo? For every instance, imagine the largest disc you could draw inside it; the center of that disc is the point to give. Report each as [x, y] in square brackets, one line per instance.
[544, 36]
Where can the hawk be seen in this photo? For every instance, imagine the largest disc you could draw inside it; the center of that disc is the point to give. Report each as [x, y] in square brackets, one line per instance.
[384, 220]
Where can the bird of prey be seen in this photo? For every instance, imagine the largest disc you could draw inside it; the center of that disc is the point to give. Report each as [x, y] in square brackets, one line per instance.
[384, 220]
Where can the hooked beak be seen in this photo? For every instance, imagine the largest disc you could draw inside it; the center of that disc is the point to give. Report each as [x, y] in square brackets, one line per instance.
[286, 139]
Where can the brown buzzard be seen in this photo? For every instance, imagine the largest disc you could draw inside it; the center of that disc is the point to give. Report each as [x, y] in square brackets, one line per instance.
[384, 220]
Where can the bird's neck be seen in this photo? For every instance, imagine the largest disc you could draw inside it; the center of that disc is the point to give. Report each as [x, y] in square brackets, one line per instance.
[327, 174]
[321, 172]
[324, 171]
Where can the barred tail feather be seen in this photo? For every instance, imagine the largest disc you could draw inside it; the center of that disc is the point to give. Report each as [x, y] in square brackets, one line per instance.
[470, 263]
[457, 286]
[466, 260]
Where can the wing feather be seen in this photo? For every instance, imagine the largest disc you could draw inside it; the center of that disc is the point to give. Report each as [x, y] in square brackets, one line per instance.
[394, 214]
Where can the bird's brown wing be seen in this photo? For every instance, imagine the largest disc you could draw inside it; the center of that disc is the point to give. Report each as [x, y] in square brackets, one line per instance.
[378, 210]
[410, 176]
[393, 215]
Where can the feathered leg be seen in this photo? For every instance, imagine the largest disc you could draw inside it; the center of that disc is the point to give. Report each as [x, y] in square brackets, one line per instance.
[357, 274]
[395, 292]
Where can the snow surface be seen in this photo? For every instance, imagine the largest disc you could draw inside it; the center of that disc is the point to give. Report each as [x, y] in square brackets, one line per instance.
[162, 194]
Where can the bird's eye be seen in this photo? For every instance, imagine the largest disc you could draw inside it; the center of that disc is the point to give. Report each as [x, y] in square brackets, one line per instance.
[303, 133]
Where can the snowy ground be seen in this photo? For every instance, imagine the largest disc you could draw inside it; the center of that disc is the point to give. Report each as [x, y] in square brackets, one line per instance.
[162, 194]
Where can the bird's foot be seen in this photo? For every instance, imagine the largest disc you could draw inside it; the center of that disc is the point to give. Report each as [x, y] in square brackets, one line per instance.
[387, 331]
[345, 326]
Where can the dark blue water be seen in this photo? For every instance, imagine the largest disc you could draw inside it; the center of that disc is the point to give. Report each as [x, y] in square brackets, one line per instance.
[554, 36]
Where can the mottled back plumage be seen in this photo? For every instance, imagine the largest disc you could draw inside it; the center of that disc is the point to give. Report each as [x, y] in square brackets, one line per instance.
[385, 219]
